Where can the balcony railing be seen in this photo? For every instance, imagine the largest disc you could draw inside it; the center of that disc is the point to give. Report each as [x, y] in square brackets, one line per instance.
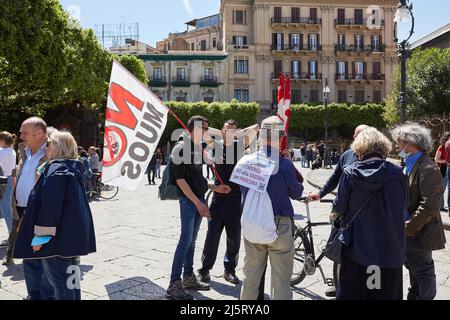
[354, 22]
[298, 47]
[353, 48]
[158, 81]
[299, 76]
[361, 76]
[296, 20]
[208, 81]
[178, 81]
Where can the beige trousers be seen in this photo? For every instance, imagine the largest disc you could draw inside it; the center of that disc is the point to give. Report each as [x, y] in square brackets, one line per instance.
[281, 254]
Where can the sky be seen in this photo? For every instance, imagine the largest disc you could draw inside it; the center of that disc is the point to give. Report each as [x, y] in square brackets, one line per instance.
[158, 18]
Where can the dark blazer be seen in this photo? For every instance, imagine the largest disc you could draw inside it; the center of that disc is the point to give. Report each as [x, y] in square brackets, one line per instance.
[425, 190]
[58, 206]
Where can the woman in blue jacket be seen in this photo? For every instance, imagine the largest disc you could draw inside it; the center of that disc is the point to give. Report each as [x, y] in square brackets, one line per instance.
[372, 205]
[57, 226]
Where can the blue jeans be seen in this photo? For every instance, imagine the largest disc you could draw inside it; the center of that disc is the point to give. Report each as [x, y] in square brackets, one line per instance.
[184, 254]
[5, 206]
[38, 285]
[64, 276]
[158, 170]
[444, 184]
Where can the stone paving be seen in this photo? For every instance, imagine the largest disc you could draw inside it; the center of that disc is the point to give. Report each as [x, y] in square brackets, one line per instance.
[136, 238]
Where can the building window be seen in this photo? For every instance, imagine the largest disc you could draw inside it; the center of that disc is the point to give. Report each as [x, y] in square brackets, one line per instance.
[192, 46]
[312, 66]
[359, 42]
[157, 73]
[241, 65]
[209, 74]
[313, 42]
[359, 70]
[314, 96]
[239, 17]
[239, 41]
[296, 96]
[296, 69]
[341, 70]
[277, 68]
[341, 40]
[203, 45]
[341, 16]
[278, 41]
[181, 74]
[277, 14]
[377, 96]
[295, 15]
[241, 95]
[295, 41]
[376, 43]
[342, 96]
[214, 43]
[359, 96]
[313, 15]
[359, 17]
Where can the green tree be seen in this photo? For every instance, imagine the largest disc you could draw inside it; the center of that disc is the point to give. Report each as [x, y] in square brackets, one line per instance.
[428, 85]
[135, 66]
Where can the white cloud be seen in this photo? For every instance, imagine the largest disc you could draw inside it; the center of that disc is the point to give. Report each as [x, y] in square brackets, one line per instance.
[188, 7]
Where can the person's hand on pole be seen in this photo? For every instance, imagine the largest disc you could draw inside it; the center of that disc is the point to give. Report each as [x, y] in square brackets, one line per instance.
[313, 197]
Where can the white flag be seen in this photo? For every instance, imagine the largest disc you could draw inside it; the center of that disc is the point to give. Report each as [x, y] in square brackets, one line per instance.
[135, 121]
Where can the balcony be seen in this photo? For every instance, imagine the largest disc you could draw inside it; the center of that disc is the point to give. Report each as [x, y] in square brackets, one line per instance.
[299, 76]
[298, 48]
[209, 81]
[358, 23]
[360, 49]
[296, 21]
[360, 77]
[157, 82]
[181, 81]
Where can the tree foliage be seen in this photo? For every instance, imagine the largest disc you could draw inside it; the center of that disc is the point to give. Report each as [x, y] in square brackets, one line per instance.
[428, 85]
[135, 66]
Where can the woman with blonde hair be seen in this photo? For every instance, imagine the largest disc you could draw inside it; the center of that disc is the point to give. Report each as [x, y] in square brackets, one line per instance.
[371, 205]
[57, 226]
[8, 167]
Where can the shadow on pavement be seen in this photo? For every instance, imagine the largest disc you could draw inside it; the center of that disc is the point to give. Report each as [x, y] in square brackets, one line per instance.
[135, 288]
[308, 294]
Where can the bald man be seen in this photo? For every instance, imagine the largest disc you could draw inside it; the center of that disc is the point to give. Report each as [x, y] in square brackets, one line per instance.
[347, 158]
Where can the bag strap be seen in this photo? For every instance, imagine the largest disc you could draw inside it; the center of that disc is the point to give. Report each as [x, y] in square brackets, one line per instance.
[359, 211]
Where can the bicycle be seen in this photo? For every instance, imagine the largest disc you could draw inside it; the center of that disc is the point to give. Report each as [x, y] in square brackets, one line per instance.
[104, 191]
[305, 261]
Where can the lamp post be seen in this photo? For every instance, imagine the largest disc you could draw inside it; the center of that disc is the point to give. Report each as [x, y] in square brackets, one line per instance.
[326, 97]
[404, 14]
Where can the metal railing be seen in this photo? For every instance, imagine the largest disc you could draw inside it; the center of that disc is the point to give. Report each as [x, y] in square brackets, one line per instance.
[354, 22]
[355, 48]
[296, 20]
[361, 76]
[298, 47]
[299, 76]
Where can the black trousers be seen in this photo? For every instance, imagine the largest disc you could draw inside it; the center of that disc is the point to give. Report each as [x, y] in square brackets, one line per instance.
[225, 213]
[354, 280]
[151, 174]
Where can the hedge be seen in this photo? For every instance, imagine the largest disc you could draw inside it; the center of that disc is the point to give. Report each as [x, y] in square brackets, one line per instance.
[246, 114]
[308, 121]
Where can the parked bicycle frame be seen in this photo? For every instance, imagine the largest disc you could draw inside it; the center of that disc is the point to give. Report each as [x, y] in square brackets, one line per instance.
[305, 261]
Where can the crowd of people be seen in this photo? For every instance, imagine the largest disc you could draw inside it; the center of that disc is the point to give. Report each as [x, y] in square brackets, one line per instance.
[315, 156]
[384, 215]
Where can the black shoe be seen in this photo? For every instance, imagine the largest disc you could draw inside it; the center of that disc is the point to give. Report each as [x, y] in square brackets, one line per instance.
[231, 277]
[204, 276]
[4, 243]
[176, 292]
[331, 292]
[191, 282]
[8, 260]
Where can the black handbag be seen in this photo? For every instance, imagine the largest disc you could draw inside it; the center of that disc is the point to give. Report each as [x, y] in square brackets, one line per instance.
[333, 249]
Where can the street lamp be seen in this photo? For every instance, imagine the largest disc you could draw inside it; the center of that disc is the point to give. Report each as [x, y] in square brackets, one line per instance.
[404, 14]
[326, 97]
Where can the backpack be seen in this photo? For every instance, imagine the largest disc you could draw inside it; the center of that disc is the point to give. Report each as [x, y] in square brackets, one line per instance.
[168, 190]
[258, 222]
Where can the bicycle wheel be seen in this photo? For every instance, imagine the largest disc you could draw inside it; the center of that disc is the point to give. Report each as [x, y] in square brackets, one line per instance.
[107, 192]
[302, 250]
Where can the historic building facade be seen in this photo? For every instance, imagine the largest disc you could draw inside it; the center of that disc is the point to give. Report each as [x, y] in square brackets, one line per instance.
[348, 44]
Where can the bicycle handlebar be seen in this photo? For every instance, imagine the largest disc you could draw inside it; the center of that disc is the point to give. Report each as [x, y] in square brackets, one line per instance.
[306, 199]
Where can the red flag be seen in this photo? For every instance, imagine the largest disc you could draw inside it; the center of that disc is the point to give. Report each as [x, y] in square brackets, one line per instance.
[284, 111]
